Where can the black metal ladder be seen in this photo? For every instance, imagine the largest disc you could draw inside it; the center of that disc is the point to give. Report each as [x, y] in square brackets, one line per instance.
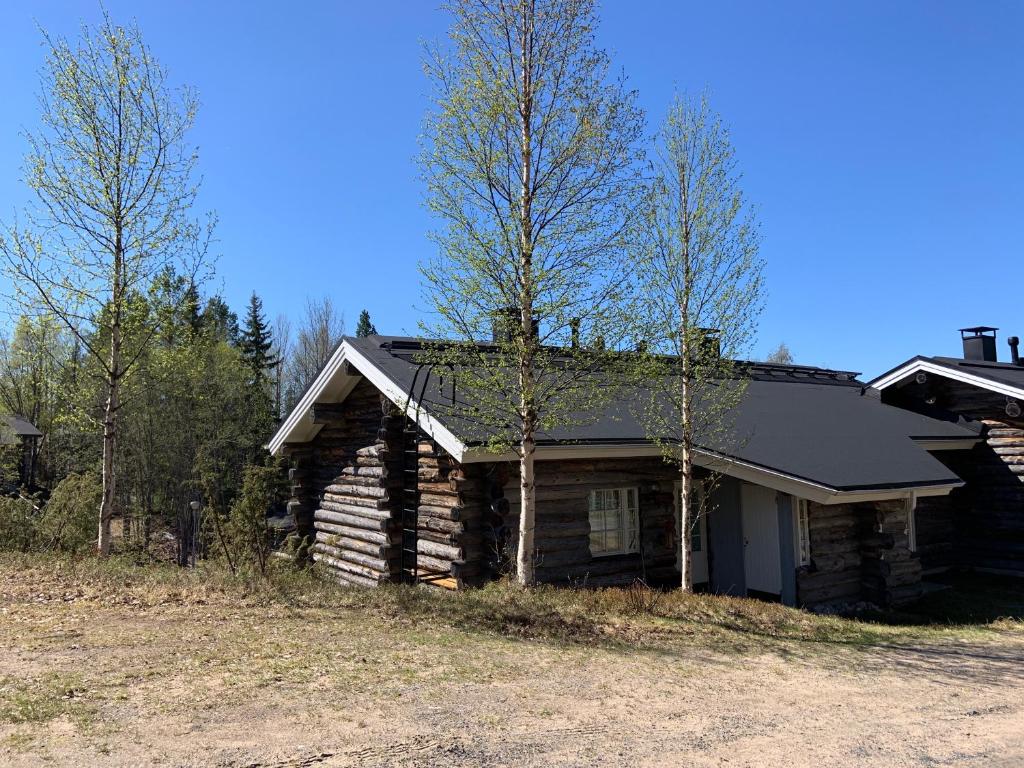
[410, 499]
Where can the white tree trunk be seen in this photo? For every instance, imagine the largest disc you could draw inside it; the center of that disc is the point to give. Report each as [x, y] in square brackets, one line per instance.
[527, 515]
[685, 457]
[103, 540]
[109, 444]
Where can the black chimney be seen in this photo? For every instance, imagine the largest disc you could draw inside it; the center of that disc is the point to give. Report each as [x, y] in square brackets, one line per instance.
[506, 325]
[1013, 341]
[574, 332]
[979, 343]
[711, 343]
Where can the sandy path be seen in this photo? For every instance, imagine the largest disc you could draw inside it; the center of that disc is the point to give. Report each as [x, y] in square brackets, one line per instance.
[188, 686]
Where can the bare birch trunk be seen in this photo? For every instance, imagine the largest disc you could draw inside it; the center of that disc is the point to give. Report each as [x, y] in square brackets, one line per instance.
[528, 406]
[685, 471]
[109, 444]
[527, 501]
[110, 412]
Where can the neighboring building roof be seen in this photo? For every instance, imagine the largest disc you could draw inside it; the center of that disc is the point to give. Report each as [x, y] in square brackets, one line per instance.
[1002, 378]
[813, 432]
[17, 426]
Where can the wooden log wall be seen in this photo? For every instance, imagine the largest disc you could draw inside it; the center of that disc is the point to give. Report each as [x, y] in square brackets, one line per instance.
[892, 573]
[453, 502]
[834, 575]
[987, 527]
[348, 479]
[859, 552]
[990, 533]
[562, 538]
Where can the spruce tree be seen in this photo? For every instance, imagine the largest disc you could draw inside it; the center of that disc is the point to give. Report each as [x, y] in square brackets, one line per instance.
[256, 341]
[364, 327]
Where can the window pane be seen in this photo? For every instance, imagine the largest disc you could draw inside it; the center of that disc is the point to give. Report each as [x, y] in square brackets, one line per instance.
[613, 519]
[613, 541]
[597, 542]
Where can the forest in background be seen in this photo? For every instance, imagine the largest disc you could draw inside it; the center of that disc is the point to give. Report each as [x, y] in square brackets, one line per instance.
[202, 402]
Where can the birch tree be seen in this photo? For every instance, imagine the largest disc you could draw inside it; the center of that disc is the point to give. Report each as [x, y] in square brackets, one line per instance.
[112, 178]
[529, 159]
[700, 282]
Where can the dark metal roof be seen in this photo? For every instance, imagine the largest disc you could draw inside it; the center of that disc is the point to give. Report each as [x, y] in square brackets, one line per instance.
[20, 426]
[1004, 373]
[816, 424]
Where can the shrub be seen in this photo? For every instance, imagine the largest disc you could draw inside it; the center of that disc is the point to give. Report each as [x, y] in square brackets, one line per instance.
[243, 534]
[19, 520]
[69, 519]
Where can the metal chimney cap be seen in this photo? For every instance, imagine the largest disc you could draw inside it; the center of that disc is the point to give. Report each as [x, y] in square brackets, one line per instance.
[978, 330]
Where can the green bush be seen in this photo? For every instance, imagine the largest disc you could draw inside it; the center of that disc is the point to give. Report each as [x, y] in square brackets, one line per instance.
[69, 519]
[19, 520]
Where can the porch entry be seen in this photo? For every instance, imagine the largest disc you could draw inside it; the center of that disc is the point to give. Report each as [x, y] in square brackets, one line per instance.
[747, 541]
[761, 542]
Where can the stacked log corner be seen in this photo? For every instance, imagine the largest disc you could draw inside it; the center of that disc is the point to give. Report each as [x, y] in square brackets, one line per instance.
[453, 499]
[859, 552]
[354, 479]
[991, 535]
[891, 571]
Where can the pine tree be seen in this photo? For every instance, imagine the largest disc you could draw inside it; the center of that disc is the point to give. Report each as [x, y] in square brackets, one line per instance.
[256, 341]
[364, 327]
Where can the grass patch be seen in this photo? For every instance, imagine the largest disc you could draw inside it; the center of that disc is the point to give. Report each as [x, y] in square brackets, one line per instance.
[44, 699]
[615, 617]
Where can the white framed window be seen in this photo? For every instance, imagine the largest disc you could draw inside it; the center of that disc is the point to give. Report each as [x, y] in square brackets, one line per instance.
[912, 523]
[696, 524]
[614, 521]
[801, 532]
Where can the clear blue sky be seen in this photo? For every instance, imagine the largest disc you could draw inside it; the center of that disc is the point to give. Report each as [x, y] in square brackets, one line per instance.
[882, 141]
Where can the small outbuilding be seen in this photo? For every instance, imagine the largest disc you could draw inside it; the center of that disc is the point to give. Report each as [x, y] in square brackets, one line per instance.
[20, 433]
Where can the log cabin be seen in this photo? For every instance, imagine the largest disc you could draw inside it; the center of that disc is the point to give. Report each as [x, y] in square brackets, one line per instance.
[814, 506]
[980, 526]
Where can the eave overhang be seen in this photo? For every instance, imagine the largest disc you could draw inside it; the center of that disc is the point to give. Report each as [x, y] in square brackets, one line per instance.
[347, 365]
[925, 365]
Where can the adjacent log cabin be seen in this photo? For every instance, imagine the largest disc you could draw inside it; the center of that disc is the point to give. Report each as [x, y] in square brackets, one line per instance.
[814, 504]
[980, 526]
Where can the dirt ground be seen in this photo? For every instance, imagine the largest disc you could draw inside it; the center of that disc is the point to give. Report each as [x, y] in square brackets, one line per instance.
[208, 682]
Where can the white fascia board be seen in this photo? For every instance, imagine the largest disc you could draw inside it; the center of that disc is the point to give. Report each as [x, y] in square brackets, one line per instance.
[949, 372]
[957, 444]
[437, 431]
[346, 353]
[301, 409]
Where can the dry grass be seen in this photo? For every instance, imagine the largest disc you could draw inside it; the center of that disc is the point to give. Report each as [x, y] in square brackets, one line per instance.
[117, 658]
[634, 616]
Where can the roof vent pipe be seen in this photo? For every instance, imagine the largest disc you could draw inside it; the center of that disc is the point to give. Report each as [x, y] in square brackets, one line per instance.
[1013, 341]
[979, 343]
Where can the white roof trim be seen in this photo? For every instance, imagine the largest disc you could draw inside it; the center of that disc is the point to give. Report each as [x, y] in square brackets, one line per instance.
[950, 372]
[346, 353]
[806, 489]
[301, 409]
[455, 447]
[957, 444]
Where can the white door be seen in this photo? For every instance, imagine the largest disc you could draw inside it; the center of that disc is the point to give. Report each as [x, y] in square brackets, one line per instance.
[698, 536]
[761, 556]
